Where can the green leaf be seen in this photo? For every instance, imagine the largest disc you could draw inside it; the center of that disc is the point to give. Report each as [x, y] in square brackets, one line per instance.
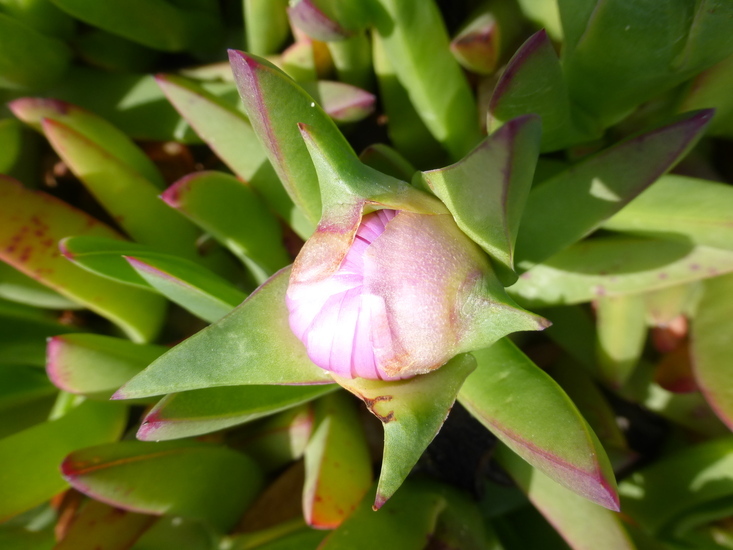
[207, 410]
[128, 197]
[342, 102]
[96, 365]
[266, 24]
[387, 160]
[581, 523]
[29, 460]
[226, 208]
[621, 322]
[32, 111]
[157, 24]
[570, 205]
[34, 223]
[412, 412]
[20, 288]
[189, 479]
[533, 82]
[415, 40]
[132, 102]
[265, 90]
[476, 46]
[614, 266]
[98, 526]
[681, 208]
[710, 90]
[662, 494]
[711, 346]
[20, 385]
[251, 345]
[28, 58]
[42, 16]
[338, 468]
[277, 440]
[487, 190]
[199, 291]
[228, 132]
[405, 522]
[182, 281]
[534, 417]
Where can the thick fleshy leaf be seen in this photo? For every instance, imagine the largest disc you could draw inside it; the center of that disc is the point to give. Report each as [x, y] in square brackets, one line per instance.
[32, 111]
[533, 82]
[251, 345]
[29, 59]
[342, 102]
[621, 323]
[422, 512]
[132, 200]
[615, 266]
[277, 440]
[412, 412]
[35, 222]
[581, 523]
[264, 90]
[158, 24]
[710, 90]
[546, 430]
[18, 287]
[266, 25]
[310, 18]
[98, 526]
[623, 54]
[663, 497]
[29, 460]
[415, 40]
[712, 347]
[387, 160]
[406, 130]
[338, 469]
[575, 202]
[182, 281]
[677, 207]
[228, 132]
[207, 410]
[176, 532]
[487, 190]
[24, 331]
[201, 292]
[95, 365]
[230, 211]
[189, 479]
[21, 384]
[476, 46]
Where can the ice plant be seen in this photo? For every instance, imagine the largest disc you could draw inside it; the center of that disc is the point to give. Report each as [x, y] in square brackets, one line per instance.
[399, 303]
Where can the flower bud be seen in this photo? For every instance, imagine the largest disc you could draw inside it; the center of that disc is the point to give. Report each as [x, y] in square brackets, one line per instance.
[409, 293]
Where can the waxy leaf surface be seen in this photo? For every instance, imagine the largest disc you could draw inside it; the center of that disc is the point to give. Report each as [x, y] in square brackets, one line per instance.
[570, 205]
[581, 523]
[230, 211]
[32, 111]
[275, 104]
[338, 468]
[20, 288]
[712, 346]
[29, 460]
[194, 480]
[129, 197]
[614, 266]
[228, 132]
[412, 412]
[682, 208]
[251, 345]
[546, 430]
[487, 190]
[33, 225]
[533, 82]
[621, 322]
[207, 410]
[96, 365]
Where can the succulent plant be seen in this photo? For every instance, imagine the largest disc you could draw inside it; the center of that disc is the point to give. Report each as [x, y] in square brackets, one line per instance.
[398, 274]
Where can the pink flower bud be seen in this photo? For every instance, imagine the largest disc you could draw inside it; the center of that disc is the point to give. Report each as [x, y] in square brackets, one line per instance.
[402, 299]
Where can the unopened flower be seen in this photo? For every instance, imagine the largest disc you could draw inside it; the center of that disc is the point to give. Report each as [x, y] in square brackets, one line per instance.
[409, 293]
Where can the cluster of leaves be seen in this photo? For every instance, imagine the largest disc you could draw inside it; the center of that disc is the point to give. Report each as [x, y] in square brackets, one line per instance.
[558, 173]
